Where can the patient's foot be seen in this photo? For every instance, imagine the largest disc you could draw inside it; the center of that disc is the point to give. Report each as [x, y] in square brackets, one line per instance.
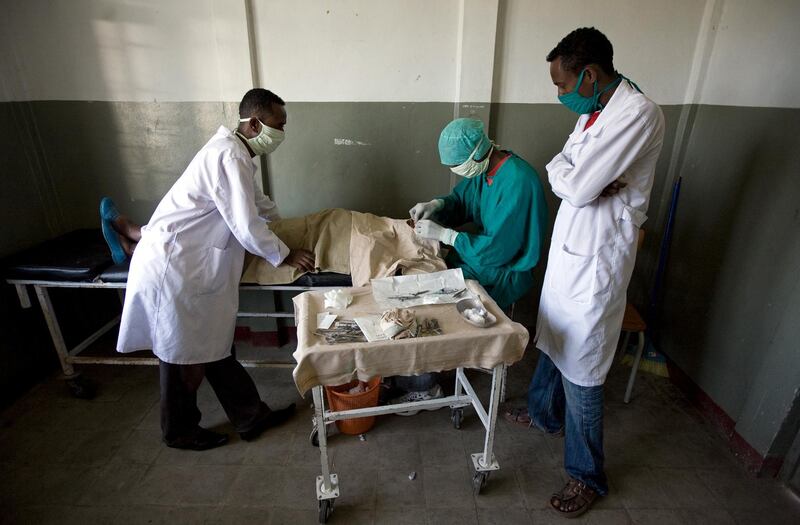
[121, 234]
[108, 213]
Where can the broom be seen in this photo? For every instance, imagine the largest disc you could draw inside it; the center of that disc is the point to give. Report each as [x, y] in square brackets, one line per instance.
[652, 360]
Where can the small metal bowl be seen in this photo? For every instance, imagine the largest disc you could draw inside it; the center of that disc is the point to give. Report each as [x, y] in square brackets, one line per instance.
[465, 304]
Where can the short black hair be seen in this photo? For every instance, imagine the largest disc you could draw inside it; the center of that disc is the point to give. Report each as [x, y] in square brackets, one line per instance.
[257, 100]
[584, 46]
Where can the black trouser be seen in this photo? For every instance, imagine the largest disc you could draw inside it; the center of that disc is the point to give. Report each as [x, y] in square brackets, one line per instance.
[235, 389]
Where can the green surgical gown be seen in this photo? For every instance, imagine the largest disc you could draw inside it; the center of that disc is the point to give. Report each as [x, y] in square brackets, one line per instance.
[511, 216]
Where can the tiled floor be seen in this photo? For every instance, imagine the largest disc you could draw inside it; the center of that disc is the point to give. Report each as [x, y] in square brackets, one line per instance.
[70, 461]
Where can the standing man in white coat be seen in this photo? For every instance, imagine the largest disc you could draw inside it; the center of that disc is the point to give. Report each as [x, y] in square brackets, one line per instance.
[183, 285]
[603, 176]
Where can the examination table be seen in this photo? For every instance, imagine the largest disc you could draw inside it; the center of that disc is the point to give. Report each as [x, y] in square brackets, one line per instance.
[81, 259]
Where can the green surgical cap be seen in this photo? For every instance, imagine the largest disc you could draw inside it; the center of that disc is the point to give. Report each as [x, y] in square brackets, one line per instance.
[459, 139]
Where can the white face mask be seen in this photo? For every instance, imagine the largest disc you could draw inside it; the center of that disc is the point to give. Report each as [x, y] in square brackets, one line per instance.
[472, 168]
[267, 140]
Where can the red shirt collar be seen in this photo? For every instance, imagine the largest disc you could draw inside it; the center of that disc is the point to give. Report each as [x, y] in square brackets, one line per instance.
[493, 171]
[591, 120]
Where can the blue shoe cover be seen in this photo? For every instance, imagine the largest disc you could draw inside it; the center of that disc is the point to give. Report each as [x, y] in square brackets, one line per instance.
[108, 212]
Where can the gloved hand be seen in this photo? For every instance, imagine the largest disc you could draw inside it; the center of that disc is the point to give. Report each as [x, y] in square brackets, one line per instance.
[430, 230]
[425, 210]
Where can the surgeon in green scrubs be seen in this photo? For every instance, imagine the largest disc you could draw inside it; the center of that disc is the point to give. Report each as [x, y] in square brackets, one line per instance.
[502, 195]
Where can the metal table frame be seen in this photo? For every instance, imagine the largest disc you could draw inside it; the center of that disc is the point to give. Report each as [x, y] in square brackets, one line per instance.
[484, 462]
[70, 356]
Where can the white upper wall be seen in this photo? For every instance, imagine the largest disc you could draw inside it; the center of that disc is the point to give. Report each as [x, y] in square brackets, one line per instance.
[754, 58]
[389, 50]
[653, 43]
[125, 50]
[358, 50]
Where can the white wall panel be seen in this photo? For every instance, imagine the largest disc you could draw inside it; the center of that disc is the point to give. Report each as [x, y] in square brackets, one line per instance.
[388, 50]
[754, 60]
[358, 50]
[653, 43]
[127, 50]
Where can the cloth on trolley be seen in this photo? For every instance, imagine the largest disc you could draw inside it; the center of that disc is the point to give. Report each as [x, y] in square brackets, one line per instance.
[460, 345]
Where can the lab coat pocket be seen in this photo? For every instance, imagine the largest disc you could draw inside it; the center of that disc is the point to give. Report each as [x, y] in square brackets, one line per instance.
[630, 220]
[574, 276]
[632, 215]
[149, 265]
[214, 273]
[153, 255]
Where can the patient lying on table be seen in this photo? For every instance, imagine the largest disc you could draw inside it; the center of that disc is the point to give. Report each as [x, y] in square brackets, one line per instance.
[362, 245]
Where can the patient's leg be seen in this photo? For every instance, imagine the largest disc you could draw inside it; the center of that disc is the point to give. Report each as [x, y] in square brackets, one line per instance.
[119, 231]
[130, 233]
[128, 228]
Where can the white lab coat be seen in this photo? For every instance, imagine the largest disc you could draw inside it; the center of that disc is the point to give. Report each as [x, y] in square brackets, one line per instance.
[183, 285]
[594, 238]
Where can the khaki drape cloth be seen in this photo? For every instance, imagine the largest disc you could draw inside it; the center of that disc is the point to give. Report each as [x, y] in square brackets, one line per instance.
[360, 244]
[461, 345]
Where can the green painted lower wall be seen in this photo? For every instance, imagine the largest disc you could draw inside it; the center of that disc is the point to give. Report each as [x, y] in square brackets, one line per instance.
[25, 207]
[732, 307]
[25, 210]
[131, 151]
[729, 317]
[374, 157]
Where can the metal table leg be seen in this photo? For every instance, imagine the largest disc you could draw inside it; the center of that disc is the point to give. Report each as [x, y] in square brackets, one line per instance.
[22, 294]
[327, 483]
[457, 413]
[78, 385]
[485, 462]
[55, 329]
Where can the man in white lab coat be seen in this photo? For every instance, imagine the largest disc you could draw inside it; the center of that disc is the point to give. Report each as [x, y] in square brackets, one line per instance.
[603, 177]
[183, 285]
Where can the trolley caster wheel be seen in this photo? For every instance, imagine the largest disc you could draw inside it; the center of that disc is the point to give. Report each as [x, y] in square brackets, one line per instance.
[479, 482]
[325, 509]
[81, 387]
[457, 417]
[313, 438]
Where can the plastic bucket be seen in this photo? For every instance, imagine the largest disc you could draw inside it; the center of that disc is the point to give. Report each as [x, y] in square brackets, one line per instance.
[339, 399]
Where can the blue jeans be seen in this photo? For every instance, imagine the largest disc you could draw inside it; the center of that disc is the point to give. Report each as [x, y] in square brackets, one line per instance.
[555, 403]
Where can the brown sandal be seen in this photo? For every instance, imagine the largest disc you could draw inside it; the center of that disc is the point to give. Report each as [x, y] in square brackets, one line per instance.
[518, 416]
[574, 499]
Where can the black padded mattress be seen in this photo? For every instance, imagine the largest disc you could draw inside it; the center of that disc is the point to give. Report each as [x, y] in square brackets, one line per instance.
[79, 255]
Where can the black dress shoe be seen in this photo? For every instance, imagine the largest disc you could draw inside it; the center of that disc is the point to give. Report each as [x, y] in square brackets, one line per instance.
[203, 439]
[271, 419]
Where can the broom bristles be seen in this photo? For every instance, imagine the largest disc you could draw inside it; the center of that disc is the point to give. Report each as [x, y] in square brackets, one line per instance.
[652, 361]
